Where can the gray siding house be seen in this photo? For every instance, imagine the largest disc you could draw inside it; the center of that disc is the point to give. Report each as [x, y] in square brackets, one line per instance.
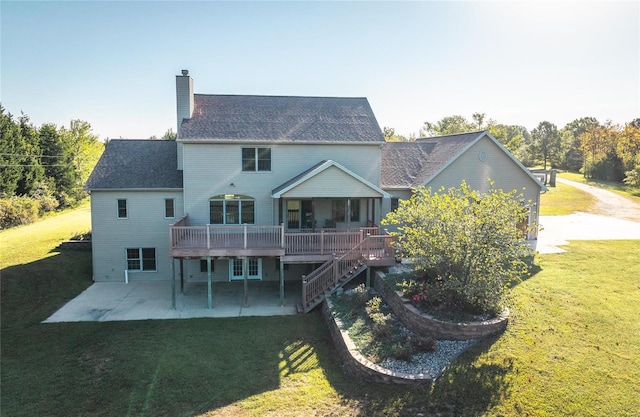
[271, 188]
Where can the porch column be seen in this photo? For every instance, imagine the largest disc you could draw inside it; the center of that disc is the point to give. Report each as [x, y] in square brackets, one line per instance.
[173, 283]
[245, 272]
[209, 294]
[281, 282]
[348, 213]
[182, 276]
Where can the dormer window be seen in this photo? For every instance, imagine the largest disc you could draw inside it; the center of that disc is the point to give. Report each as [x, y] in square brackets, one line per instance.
[256, 159]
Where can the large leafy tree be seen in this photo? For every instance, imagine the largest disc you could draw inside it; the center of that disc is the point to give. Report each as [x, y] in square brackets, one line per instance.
[465, 243]
[58, 162]
[545, 143]
[448, 126]
[628, 148]
[513, 137]
[390, 135]
[572, 154]
[85, 147]
[598, 143]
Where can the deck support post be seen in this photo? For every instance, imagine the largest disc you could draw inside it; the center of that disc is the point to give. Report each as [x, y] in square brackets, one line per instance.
[245, 274]
[281, 283]
[182, 276]
[368, 277]
[173, 283]
[209, 294]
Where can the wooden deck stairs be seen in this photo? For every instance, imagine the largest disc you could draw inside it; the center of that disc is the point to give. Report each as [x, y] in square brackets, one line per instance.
[337, 272]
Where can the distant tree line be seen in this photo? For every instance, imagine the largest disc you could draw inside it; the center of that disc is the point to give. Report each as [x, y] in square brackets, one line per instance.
[598, 150]
[43, 169]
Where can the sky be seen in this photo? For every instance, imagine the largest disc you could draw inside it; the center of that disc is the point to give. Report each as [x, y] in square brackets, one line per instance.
[113, 64]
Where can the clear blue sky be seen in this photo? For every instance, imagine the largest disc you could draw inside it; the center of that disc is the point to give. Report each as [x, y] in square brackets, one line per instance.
[113, 64]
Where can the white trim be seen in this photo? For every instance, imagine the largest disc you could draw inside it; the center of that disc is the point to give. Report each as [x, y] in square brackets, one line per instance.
[126, 208]
[233, 277]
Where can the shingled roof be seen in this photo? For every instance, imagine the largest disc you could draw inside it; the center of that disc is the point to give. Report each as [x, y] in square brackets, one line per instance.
[410, 164]
[137, 164]
[222, 118]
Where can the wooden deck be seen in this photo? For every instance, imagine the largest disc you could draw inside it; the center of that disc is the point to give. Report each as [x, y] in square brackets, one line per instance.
[249, 240]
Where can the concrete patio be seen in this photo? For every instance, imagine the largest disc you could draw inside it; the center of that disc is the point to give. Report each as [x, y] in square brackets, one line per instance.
[118, 301]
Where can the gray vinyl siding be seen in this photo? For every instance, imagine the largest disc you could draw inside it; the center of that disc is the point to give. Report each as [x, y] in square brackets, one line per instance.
[215, 169]
[501, 169]
[144, 227]
[332, 182]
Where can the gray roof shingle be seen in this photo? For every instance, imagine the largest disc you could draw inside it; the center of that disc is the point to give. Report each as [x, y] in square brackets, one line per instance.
[222, 118]
[137, 164]
[410, 164]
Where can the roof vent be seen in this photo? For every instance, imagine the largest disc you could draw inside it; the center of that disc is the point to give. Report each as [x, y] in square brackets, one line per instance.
[185, 72]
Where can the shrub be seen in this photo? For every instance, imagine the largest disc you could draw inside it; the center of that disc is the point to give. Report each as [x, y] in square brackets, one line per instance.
[18, 210]
[466, 244]
[360, 295]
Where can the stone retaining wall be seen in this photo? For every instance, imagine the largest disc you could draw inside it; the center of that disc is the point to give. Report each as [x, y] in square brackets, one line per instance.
[357, 365]
[426, 325]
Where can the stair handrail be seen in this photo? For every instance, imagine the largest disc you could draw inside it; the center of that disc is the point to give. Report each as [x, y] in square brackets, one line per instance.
[329, 273]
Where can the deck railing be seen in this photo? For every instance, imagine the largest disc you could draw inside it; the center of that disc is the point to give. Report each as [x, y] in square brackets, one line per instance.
[331, 272]
[252, 237]
[235, 237]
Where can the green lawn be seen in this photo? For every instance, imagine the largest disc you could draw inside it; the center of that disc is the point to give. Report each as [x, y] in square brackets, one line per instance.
[572, 348]
[565, 199]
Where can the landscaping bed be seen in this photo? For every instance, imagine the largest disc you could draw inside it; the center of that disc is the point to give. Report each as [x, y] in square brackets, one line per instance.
[383, 340]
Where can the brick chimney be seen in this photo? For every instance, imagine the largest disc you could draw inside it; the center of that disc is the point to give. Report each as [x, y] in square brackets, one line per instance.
[184, 97]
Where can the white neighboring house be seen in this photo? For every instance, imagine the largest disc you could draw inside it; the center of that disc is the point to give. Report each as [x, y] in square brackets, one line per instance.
[272, 188]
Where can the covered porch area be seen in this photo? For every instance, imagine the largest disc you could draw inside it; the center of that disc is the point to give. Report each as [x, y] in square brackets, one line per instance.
[328, 197]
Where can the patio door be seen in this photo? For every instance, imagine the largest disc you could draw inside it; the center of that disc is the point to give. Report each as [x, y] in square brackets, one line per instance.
[236, 269]
[299, 214]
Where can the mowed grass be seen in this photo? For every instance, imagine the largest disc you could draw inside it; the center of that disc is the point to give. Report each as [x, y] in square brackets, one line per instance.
[565, 199]
[572, 348]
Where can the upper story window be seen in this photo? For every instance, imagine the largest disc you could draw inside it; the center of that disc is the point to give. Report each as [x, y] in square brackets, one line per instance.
[232, 209]
[122, 208]
[169, 208]
[256, 159]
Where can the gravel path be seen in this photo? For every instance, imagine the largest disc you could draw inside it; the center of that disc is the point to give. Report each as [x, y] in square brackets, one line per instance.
[609, 203]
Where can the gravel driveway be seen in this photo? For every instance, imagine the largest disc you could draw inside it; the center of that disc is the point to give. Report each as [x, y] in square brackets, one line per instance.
[615, 218]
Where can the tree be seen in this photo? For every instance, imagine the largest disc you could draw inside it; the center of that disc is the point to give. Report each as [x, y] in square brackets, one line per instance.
[448, 126]
[513, 137]
[598, 143]
[170, 135]
[11, 147]
[572, 155]
[628, 148]
[390, 135]
[466, 244]
[85, 147]
[545, 142]
[58, 162]
[29, 157]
